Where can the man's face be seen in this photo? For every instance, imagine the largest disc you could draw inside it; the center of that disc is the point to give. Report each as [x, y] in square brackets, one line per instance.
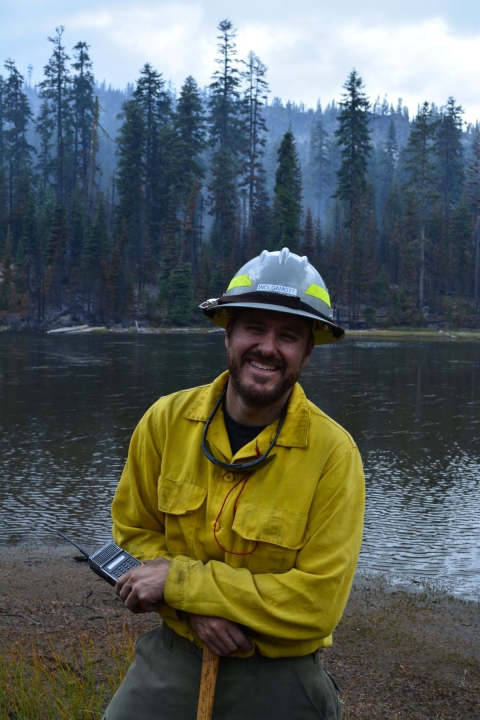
[266, 351]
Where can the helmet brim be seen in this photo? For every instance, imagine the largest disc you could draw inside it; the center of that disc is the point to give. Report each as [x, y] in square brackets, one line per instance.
[325, 331]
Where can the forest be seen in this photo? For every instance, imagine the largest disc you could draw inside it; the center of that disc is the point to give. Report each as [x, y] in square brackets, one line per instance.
[138, 204]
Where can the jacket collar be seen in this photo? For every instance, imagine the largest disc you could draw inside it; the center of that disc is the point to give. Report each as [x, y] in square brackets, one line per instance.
[294, 432]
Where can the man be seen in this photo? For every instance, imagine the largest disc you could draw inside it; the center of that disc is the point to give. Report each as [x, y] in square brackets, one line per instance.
[248, 503]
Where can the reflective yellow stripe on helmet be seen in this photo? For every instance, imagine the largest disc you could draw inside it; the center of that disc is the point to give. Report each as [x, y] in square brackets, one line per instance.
[318, 292]
[240, 281]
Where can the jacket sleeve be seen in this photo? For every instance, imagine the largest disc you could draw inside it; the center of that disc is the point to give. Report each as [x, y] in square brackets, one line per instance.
[138, 524]
[305, 603]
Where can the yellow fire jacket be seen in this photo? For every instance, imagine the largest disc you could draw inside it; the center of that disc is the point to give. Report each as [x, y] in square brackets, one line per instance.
[275, 552]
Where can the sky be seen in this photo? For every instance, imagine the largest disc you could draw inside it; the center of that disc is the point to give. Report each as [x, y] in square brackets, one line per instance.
[416, 50]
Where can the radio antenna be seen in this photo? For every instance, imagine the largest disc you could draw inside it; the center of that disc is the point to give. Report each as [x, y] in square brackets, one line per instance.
[79, 547]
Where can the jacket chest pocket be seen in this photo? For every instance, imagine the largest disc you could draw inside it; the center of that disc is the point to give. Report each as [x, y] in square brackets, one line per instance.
[181, 502]
[280, 535]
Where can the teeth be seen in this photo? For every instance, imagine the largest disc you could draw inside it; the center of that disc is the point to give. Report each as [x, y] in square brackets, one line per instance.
[262, 367]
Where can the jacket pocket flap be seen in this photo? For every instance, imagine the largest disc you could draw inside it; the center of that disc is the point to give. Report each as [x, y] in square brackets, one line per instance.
[179, 498]
[277, 527]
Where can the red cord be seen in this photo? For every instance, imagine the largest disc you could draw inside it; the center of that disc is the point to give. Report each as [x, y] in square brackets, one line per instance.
[244, 479]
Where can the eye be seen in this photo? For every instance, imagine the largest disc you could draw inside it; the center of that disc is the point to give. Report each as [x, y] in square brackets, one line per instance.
[289, 337]
[255, 329]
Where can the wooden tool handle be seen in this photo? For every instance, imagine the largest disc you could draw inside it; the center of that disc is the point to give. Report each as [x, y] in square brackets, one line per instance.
[207, 684]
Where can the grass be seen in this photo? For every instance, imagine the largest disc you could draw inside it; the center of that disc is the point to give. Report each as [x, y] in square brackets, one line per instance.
[72, 683]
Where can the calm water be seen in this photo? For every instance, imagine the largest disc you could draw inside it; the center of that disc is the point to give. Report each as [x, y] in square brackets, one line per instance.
[68, 406]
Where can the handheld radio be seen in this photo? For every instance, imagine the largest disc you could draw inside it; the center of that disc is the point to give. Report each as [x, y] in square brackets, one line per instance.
[110, 562]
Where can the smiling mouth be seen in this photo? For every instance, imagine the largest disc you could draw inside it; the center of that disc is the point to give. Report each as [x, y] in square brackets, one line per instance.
[263, 366]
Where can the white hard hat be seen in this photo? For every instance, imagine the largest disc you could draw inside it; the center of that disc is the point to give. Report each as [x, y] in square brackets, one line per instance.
[283, 282]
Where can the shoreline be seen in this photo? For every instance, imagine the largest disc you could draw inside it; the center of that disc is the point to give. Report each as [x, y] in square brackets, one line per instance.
[397, 653]
[144, 329]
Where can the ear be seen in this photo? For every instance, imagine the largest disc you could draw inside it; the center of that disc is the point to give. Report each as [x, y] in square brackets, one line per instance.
[228, 331]
[309, 349]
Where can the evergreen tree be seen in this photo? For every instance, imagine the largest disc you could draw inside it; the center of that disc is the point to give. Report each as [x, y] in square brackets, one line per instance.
[460, 248]
[353, 137]
[155, 106]
[56, 275]
[450, 181]
[83, 110]
[117, 279]
[33, 261]
[2, 121]
[288, 197]
[420, 185]
[188, 169]
[473, 194]
[387, 189]
[55, 89]
[44, 125]
[227, 143]
[189, 122]
[17, 115]
[95, 263]
[130, 182]
[3, 209]
[180, 294]
[309, 240]
[320, 166]
[254, 99]
[450, 155]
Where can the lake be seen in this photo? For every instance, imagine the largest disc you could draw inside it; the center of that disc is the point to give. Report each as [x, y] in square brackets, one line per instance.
[68, 405]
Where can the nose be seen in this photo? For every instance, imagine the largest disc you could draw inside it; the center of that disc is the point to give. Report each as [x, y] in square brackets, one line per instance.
[267, 343]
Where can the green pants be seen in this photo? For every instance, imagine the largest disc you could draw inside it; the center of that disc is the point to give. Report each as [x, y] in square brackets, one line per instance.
[163, 682]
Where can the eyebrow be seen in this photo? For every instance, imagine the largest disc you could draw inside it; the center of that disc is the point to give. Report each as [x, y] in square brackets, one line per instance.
[286, 328]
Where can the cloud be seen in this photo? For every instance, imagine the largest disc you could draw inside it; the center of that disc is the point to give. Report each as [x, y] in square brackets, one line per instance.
[417, 51]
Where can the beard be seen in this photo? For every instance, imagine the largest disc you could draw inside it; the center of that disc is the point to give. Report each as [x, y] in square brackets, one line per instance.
[256, 396]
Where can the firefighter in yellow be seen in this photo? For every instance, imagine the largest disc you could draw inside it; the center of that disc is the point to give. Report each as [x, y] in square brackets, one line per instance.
[246, 503]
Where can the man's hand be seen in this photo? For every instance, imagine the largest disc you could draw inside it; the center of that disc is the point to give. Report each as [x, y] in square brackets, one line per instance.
[142, 588]
[223, 637]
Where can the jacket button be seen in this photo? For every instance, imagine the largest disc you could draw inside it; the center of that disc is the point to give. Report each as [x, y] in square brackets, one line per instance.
[228, 477]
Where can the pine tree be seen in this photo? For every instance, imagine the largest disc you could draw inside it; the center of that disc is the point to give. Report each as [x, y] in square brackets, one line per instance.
[56, 259]
[95, 263]
[155, 106]
[254, 99]
[420, 184]
[226, 139]
[309, 241]
[55, 89]
[473, 194]
[353, 137]
[130, 182]
[450, 181]
[320, 166]
[460, 248]
[44, 126]
[189, 123]
[83, 111]
[17, 115]
[387, 188]
[117, 279]
[180, 294]
[33, 261]
[3, 209]
[187, 168]
[288, 197]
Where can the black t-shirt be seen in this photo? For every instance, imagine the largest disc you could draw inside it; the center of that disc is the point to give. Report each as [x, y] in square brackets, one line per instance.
[239, 434]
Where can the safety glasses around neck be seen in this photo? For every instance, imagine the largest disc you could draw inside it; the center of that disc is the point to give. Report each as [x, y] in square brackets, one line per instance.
[240, 467]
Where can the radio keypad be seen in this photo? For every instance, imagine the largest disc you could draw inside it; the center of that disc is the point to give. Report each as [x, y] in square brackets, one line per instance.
[126, 565]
